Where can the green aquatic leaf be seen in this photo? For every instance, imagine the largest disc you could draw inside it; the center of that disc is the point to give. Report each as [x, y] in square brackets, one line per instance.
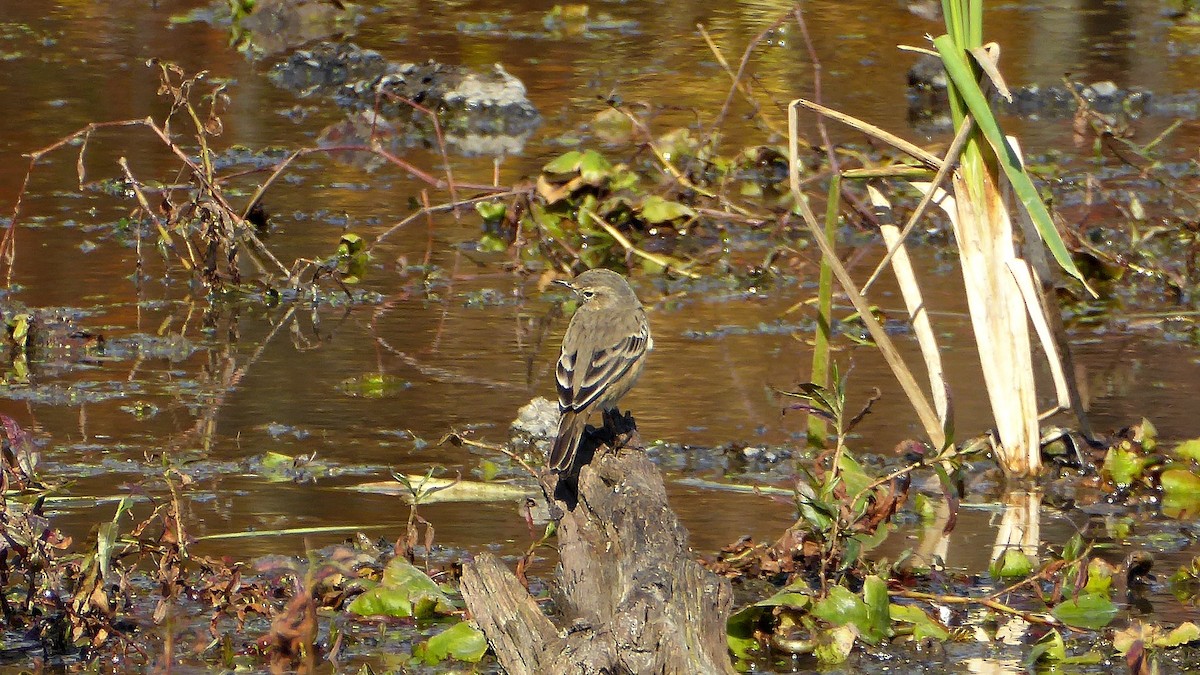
[1049, 649]
[405, 591]
[612, 126]
[1181, 492]
[740, 628]
[490, 243]
[923, 625]
[1123, 465]
[1147, 435]
[1099, 577]
[869, 614]
[1182, 634]
[350, 244]
[567, 162]
[1012, 563]
[1089, 610]
[491, 211]
[463, 642]
[1152, 636]
[657, 210]
[1179, 483]
[879, 618]
[1189, 450]
[373, 385]
[593, 168]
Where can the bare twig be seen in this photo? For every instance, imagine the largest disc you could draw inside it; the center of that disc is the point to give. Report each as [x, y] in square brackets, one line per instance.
[665, 263]
[1031, 617]
[925, 412]
[948, 163]
[441, 141]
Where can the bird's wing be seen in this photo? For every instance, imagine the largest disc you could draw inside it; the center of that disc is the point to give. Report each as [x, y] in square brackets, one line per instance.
[582, 377]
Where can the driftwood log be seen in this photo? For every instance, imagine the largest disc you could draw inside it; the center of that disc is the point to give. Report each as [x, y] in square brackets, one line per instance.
[630, 597]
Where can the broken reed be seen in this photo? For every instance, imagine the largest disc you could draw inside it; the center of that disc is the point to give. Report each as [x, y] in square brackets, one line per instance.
[1003, 290]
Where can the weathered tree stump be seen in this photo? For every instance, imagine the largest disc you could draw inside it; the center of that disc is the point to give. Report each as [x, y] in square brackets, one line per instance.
[631, 598]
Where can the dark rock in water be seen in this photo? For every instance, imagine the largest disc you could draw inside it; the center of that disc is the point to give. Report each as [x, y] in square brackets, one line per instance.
[325, 68]
[928, 105]
[927, 74]
[468, 103]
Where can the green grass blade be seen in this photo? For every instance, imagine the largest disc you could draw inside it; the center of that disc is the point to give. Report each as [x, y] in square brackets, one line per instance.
[961, 74]
[817, 428]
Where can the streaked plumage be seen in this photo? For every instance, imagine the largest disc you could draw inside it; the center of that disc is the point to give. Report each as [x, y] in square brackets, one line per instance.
[603, 353]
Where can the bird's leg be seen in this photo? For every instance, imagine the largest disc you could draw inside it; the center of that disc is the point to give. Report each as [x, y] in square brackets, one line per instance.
[618, 426]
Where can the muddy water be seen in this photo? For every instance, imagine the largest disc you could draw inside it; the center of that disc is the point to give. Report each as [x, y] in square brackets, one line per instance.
[274, 378]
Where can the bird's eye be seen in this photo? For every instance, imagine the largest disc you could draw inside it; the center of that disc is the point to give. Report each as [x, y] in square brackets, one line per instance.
[588, 294]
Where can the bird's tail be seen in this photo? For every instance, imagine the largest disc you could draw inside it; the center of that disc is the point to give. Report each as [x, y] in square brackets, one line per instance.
[570, 430]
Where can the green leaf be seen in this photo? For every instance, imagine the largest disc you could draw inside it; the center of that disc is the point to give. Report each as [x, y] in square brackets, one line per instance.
[1089, 610]
[875, 594]
[106, 538]
[1189, 450]
[924, 626]
[796, 595]
[490, 243]
[462, 641]
[656, 210]
[491, 211]
[1180, 483]
[742, 647]
[593, 168]
[1182, 634]
[842, 607]
[740, 628]
[373, 385]
[926, 508]
[1013, 563]
[856, 480]
[350, 244]
[1152, 636]
[1099, 577]
[1049, 649]
[1074, 547]
[1147, 434]
[963, 77]
[488, 470]
[567, 162]
[623, 179]
[1123, 465]
[1181, 492]
[612, 126]
[405, 591]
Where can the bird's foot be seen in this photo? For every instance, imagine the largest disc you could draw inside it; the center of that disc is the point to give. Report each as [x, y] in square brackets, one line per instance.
[618, 427]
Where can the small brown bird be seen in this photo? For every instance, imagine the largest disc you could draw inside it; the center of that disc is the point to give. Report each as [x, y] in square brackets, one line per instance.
[603, 353]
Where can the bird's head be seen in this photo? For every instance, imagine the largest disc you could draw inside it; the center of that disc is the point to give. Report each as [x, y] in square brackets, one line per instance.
[598, 288]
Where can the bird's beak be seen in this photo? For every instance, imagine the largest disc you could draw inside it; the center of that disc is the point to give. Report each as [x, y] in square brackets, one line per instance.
[565, 282]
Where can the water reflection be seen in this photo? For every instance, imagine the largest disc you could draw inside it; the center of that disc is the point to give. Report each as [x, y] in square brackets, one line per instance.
[478, 343]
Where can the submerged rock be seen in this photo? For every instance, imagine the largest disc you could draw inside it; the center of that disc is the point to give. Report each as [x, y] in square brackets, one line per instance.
[535, 427]
[469, 104]
[928, 104]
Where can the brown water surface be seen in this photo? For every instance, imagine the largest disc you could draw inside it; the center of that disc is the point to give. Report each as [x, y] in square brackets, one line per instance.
[471, 364]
